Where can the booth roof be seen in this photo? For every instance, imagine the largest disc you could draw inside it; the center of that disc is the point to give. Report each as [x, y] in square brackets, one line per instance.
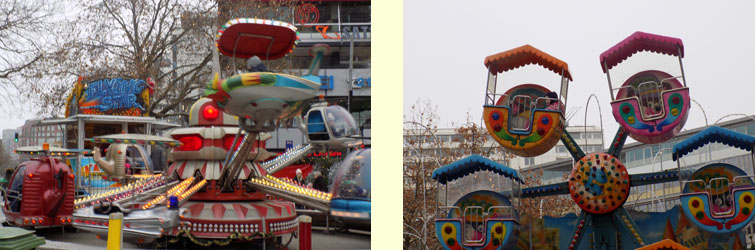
[469, 165]
[710, 135]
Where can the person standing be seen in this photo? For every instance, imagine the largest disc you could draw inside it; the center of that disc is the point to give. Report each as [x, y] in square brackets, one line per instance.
[319, 182]
[299, 179]
[158, 159]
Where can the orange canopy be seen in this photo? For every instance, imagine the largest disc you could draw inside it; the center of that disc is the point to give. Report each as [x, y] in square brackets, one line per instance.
[663, 245]
[522, 56]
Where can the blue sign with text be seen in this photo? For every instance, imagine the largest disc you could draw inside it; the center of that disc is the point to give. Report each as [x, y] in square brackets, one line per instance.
[115, 94]
[289, 145]
[327, 82]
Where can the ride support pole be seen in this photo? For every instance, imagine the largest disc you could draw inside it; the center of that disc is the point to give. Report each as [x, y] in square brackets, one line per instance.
[115, 232]
[305, 232]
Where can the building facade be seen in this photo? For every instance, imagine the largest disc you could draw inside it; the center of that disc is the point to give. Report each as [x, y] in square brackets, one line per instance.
[345, 73]
[34, 133]
[589, 136]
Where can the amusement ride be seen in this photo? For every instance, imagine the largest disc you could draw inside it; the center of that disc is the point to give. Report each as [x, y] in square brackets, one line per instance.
[221, 185]
[651, 105]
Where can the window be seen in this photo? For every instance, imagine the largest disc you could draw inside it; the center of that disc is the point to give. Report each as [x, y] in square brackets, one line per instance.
[356, 12]
[597, 135]
[457, 138]
[630, 156]
[638, 155]
[16, 186]
[741, 129]
[751, 129]
[529, 161]
[560, 149]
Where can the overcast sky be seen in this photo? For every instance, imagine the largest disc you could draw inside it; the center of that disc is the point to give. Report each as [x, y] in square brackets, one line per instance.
[445, 43]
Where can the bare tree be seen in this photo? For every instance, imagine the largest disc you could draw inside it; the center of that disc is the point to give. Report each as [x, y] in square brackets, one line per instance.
[425, 152]
[279, 10]
[167, 40]
[171, 41]
[6, 161]
[23, 29]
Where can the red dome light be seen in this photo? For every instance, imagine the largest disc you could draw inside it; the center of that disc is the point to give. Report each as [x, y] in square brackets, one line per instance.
[210, 113]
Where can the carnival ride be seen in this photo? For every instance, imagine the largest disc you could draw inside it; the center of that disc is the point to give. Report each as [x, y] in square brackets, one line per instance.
[41, 190]
[352, 190]
[137, 195]
[482, 216]
[599, 183]
[242, 199]
[527, 119]
[331, 125]
[651, 106]
[718, 197]
[125, 154]
[220, 188]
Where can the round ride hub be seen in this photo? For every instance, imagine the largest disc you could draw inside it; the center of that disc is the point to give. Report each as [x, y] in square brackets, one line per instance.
[599, 183]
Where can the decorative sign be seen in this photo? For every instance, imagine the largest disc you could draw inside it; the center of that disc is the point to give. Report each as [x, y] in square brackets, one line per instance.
[112, 96]
[363, 82]
[348, 32]
[289, 145]
[324, 32]
[307, 14]
[324, 154]
[356, 31]
[326, 82]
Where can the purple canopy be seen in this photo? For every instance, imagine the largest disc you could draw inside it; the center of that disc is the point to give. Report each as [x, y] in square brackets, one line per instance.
[640, 41]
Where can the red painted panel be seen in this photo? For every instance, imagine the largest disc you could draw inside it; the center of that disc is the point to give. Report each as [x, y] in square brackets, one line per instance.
[196, 209]
[261, 210]
[240, 210]
[218, 210]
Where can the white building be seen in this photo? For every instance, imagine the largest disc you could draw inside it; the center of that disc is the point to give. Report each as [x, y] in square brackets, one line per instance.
[590, 138]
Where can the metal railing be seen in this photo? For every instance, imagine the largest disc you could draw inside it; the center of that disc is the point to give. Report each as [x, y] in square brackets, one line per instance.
[500, 212]
[520, 113]
[490, 99]
[668, 79]
[630, 87]
[651, 101]
[545, 102]
[444, 210]
[474, 237]
[738, 183]
[718, 189]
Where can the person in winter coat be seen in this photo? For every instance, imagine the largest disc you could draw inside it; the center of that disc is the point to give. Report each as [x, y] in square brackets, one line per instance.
[299, 179]
[319, 182]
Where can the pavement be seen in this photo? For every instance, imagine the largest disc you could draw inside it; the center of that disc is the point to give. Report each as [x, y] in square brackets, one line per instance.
[56, 239]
